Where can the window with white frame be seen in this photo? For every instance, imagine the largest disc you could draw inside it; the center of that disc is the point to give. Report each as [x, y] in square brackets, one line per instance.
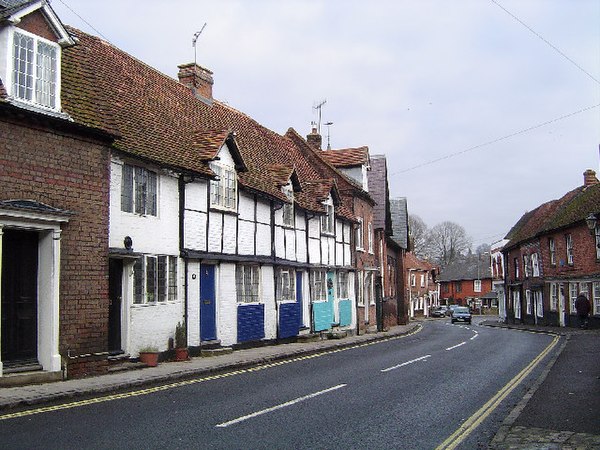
[597, 241]
[360, 294]
[516, 261]
[413, 279]
[535, 265]
[155, 279]
[35, 70]
[553, 296]
[370, 237]
[328, 219]
[526, 271]
[517, 304]
[572, 296]
[359, 234]
[318, 281]
[528, 301]
[569, 243]
[596, 304]
[422, 280]
[288, 208]
[539, 305]
[342, 278]
[369, 297]
[285, 290]
[223, 189]
[477, 285]
[247, 283]
[552, 251]
[139, 190]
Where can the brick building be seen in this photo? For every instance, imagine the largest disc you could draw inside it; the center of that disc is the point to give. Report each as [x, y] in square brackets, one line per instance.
[53, 209]
[552, 256]
[466, 282]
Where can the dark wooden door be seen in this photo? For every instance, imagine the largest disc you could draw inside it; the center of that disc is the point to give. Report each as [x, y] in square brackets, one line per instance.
[19, 295]
[115, 293]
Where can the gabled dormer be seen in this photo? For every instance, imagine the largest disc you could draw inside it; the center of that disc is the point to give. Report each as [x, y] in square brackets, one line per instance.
[352, 162]
[31, 41]
[220, 150]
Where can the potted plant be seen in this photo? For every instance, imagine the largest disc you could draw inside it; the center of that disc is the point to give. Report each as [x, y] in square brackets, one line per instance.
[181, 349]
[149, 356]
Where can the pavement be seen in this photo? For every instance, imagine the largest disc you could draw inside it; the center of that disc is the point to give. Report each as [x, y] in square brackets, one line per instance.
[560, 411]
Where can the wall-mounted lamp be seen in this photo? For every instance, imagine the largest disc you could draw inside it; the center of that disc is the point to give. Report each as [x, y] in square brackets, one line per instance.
[128, 243]
[591, 223]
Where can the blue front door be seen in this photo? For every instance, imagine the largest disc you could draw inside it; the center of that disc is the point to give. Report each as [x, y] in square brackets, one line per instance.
[208, 328]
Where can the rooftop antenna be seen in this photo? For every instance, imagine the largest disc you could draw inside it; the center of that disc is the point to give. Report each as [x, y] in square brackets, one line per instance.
[319, 107]
[328, 125]
[195, 38]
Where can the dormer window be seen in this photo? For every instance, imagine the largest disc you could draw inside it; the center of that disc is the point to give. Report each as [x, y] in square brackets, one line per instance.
[288, 208]
[223, 189]
[35, 75]
[328, 218]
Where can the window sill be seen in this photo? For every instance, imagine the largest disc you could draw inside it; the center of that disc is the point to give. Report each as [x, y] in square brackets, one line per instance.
[231, 212]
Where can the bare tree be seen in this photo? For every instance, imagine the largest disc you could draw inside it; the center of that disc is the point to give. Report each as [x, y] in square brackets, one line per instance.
[448, 242]
[417, 235]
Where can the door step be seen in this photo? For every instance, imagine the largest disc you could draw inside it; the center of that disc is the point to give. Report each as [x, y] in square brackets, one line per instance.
[24, 378]
[215, 351]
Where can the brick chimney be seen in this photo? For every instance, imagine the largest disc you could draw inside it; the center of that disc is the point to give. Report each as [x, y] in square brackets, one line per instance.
[314, 139]
[589, 178]
[198, 79]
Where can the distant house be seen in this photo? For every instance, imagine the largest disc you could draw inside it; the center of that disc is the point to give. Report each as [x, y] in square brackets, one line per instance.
[497, 267]
[466, 282]
[552, 256]
[420, 285]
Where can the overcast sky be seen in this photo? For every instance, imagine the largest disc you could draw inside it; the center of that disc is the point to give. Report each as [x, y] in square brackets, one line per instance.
[416, 80]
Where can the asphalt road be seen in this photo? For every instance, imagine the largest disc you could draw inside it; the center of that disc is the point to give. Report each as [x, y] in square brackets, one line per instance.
[413, 392]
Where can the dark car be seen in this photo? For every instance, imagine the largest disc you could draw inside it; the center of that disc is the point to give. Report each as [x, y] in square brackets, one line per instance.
[461, 314]
[440, 311]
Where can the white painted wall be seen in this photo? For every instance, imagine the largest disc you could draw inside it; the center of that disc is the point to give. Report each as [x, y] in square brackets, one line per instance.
[226, 304]
[150, 234]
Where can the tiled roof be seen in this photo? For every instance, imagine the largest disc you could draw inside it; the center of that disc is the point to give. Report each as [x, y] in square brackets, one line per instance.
[379, 191]
[158, 119]
[412, 262]
[347, 157]
[399, 213]
[8, 7]
[569, 210]
[470, 269]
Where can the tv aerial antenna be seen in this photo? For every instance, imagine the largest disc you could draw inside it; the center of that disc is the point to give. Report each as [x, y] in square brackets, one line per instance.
[195, 38]
[328, 125]
[318, 107]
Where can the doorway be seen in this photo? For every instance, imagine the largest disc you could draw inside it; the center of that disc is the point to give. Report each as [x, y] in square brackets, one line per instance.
[19, 296]
[115, 298]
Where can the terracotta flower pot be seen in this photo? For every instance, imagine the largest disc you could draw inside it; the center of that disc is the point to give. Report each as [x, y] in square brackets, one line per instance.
[149, 358]
[182, 354]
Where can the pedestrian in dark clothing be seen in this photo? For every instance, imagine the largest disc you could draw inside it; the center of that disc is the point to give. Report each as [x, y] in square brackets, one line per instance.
[583, 307]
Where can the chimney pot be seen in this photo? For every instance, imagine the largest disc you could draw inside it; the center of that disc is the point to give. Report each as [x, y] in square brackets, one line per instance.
[198, 79]
[314, 139]
[589, 178]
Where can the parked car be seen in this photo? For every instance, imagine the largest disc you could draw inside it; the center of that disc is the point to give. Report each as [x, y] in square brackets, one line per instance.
[461, 314]
[440, 311]
[451, 309]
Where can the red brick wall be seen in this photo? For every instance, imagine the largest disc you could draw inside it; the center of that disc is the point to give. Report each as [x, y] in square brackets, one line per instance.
[36, 23]
[71, 173]
[365, 259]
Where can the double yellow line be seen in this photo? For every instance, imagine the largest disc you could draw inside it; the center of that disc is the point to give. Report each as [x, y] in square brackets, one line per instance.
[152, 390]
[482, 413]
